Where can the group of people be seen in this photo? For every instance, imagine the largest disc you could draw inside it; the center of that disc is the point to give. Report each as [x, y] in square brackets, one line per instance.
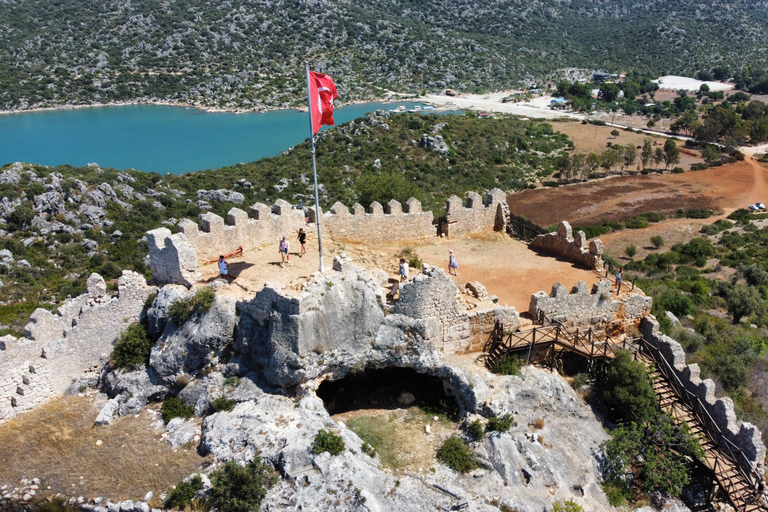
[283, 249]
[285, 257]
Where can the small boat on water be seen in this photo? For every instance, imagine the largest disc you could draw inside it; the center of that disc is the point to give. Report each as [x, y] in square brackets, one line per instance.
[415, 109]
[428, 107]
[398, 110]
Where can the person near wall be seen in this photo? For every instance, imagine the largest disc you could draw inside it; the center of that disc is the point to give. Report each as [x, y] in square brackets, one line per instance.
[404, 270]
[453, 266]
[224, 269]
[302, 240]
[284, 247]
[619, 279]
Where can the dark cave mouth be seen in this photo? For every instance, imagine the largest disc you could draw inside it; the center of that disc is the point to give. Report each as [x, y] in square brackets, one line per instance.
[387, 388]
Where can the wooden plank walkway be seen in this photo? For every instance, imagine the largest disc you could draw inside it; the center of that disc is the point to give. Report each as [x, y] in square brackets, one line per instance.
[728, 464]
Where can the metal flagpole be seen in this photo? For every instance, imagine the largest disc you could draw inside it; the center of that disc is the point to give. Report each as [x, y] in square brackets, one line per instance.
[314, 172]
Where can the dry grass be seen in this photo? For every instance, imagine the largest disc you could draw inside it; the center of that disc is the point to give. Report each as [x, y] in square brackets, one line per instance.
[57, 443]
[399, 437]
[539, 423]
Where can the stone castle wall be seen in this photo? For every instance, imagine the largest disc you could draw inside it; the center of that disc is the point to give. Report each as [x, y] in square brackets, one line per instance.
[174, 258]
[585, 307]
[744, 435]
[477, 215]
[59, 348]
[573, 248]
[379, 224]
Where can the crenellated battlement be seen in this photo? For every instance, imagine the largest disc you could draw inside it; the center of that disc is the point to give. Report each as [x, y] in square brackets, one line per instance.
[174, 258]
[478, 215]
[743, 435]
[585, 307]
[378, 224]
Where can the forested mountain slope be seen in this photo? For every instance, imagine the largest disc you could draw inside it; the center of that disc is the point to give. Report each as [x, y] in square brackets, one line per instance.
[250, 53]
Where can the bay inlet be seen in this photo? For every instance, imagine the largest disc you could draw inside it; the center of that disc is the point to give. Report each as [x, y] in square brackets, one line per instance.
[158, 138]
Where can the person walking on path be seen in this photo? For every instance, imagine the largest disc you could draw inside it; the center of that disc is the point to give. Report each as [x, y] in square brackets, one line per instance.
[302, 240]
[453, 266]
[224, 269]
[619, 278]
[285, 257]
[404, 270]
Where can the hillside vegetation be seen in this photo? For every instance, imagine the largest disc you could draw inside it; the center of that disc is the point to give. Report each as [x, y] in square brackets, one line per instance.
[61, 223]
[250, 53]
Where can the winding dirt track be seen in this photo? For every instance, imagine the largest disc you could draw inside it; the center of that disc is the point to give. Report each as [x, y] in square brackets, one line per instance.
[724, 188]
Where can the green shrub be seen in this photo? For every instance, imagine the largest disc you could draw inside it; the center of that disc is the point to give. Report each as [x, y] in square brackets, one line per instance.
[183, 493]
[183, 309]
[579, 381]
[653, 216]
[232, 381]
[630, 251]
[455, 454]
[508, 365]
[237, 488]
[410, 255]
[176, 408]
[500, 424]
[657, 241]
[617, 493]
[678, 170]
[626, 389]
[475, 430]
[133, 347]
[326, 441]
[224, 404]
[567, 506]
[636, 223]
[700, 166]
[150, 300]
[679, 304]
[695, 213]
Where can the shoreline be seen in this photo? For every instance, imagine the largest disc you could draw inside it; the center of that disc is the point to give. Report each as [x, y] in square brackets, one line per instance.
[203, 108]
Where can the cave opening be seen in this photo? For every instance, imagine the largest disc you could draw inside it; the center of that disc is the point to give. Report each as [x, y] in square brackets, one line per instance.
[387, 388]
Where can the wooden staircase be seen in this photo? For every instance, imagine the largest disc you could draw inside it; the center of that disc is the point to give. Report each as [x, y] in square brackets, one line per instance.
[726, 460]
[732, 479]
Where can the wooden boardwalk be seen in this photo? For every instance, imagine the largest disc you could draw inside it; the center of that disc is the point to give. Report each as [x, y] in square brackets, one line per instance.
[730, 467]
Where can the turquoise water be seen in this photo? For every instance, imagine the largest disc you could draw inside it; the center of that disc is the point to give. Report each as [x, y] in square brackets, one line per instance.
[157, 138]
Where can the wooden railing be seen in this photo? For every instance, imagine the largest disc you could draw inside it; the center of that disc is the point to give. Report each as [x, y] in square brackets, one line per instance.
[728, 457]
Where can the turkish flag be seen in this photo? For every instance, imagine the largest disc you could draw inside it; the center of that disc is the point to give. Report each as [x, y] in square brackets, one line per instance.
[322, 92]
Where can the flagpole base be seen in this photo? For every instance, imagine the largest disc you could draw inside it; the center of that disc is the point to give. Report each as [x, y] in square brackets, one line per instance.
[322, 266]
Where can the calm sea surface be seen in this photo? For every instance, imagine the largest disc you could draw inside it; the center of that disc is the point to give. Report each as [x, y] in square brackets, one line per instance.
[157, 138]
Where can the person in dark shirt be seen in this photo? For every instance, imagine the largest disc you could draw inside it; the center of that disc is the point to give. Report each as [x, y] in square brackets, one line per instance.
[302, 240]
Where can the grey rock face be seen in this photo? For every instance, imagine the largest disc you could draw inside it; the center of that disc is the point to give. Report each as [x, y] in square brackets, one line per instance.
[157, 314]
[134, 389]
[221, 195]
[197, 343]
[97, 287]
[202, 392]
[435, 143]
[180, 431]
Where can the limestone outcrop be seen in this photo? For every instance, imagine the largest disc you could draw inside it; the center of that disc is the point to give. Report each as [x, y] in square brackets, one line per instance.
[571, 247]
[340, 324]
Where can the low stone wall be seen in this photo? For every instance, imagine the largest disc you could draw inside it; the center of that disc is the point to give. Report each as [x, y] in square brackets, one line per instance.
[172, 258]
[585, 307]
[573, 248]
[744, 435]
[477, 216]
[59, 348]
[379, 224]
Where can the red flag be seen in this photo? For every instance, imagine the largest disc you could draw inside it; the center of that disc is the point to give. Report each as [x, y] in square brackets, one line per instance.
[322, 92]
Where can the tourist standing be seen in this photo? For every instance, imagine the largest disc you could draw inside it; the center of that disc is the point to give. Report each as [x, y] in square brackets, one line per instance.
[224, 269]
[453, 266]
[619, 279]
[284, 247]
[404, 270]
[302, 240]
